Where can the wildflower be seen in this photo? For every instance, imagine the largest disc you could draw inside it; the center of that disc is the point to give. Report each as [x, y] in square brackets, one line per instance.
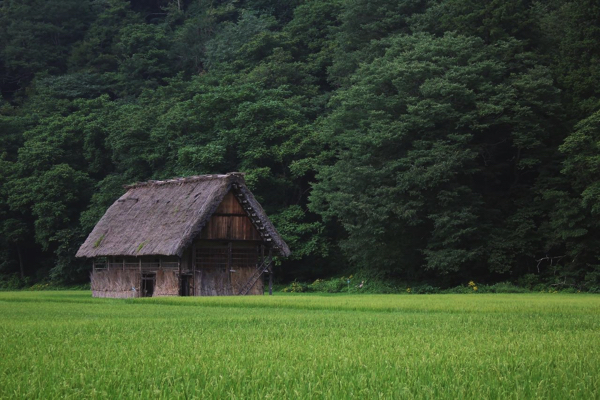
[472, 284]
[408, 290]
[475, 288]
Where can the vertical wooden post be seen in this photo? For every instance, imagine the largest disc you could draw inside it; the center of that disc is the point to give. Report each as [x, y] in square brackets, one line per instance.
[94, 265]
[141, 281]
[123, 263]
[193, 269]
[159, 262]
[229, 263]
[270, 275]
[180, 278]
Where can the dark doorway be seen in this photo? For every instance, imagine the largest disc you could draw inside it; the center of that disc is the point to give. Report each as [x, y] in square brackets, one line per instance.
[148, 283]
[184, 288]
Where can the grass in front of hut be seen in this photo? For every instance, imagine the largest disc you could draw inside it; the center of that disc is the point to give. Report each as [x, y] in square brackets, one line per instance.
[69, 345]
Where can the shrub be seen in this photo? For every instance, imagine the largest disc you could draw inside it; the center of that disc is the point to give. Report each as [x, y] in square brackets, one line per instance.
[49, 285]
[506, 287]
[529, 281]
[592, 282]
[296, 287]
[12, 282]
[359, 283]
[425, 289]
[333, 285]
[459, 290]
[569, 290]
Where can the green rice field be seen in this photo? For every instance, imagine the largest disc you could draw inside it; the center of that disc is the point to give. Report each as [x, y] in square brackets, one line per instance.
[499, 346]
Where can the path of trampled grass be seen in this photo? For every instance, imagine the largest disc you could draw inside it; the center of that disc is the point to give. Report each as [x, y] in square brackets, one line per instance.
[68, 345]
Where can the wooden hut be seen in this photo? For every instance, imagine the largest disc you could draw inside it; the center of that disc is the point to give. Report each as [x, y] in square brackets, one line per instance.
[197, 236]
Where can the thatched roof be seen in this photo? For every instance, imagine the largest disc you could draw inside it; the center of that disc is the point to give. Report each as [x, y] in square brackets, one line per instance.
[163, 217]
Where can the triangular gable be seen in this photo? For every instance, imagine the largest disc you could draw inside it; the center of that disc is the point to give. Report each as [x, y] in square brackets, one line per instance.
[230, 222]
[163, 217]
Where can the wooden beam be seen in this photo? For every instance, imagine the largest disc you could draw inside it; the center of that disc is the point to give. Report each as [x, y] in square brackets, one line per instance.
[229, 263]
[139, 294]
[180, 278]
[193, 269]
[270, 276]
[229, 215]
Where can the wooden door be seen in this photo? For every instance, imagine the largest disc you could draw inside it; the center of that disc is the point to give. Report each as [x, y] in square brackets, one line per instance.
[244, 261]
[148, 284]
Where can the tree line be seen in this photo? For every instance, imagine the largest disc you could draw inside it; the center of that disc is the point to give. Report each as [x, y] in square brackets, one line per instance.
[413, 140]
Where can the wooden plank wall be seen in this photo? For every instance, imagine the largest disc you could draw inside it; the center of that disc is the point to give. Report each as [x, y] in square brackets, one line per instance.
[241, 277]
[230, 222]
[216, 282]
[213, 282]
[115, 283]
[227, 251]
[167, 283]
[222, 268]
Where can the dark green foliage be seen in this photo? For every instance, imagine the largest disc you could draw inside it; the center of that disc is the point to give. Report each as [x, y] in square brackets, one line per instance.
[364, 24]
[415, 133]
[491, 20]
[576, 212]
[237, 41]
[571, 39]
[410, 141]
[36, 35]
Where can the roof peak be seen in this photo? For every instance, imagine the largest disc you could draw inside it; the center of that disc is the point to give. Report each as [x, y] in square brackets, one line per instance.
[165, 217]
[186, 179]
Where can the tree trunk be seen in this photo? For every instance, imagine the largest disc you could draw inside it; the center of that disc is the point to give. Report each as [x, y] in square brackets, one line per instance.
[21, 267]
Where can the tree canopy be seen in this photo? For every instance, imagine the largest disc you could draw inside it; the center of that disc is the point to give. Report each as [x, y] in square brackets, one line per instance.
[415, 140]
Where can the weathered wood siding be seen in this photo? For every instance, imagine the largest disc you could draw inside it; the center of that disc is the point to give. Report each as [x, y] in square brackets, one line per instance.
[213, 282]
[218, 282]
[186, 259]
[222, 267]
[227, 251]
[220, 262]
[230, 222]
[241, 276]
[167, 283]
[116, 283]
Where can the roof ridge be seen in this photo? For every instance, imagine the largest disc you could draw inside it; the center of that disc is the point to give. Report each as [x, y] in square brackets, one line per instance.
[166, 216]
[185, 179]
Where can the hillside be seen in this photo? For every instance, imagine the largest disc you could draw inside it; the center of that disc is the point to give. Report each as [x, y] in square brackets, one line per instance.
[419, 140]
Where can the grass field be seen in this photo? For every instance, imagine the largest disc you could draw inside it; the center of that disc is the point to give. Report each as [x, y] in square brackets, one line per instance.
[68, 345]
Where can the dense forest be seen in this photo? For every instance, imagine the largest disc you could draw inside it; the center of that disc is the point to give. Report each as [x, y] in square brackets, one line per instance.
[413, 140]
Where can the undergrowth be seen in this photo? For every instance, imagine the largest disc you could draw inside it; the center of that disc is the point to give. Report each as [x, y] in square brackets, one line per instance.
[14, 282]
[373, 285]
